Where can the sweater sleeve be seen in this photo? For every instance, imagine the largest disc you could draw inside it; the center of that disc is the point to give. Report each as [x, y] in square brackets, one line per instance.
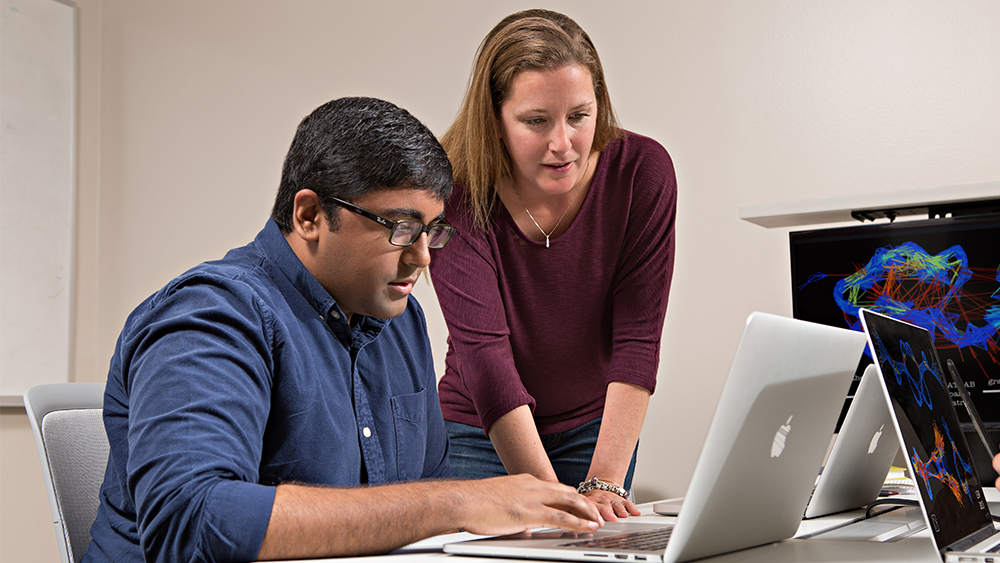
[642, 281]
[464, 275]
[198, 386]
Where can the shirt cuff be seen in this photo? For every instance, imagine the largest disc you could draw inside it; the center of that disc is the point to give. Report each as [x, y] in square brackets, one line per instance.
[236, 520]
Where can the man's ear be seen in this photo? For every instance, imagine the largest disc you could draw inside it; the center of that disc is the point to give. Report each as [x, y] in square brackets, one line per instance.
[307, 216]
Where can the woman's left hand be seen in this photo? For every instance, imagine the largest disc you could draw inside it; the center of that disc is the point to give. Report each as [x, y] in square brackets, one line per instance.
[611, 506]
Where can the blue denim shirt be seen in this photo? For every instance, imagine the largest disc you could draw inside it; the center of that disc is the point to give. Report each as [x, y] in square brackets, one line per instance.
[242, 374]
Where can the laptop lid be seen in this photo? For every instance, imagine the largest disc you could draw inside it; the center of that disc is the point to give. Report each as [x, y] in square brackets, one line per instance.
[759, 462]
[861, 456]
[926, 423]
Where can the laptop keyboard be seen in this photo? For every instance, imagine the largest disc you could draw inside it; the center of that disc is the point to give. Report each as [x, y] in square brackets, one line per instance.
[647, 540]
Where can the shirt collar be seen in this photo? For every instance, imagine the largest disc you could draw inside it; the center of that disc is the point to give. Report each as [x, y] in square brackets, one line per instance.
[286, 263]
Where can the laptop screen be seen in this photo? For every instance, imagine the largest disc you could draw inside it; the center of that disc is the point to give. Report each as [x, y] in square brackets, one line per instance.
[935, 448]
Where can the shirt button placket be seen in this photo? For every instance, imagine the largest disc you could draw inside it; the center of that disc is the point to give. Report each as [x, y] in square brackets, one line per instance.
[371, 447]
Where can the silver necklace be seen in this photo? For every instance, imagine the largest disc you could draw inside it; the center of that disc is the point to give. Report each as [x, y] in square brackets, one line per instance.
[530, 216]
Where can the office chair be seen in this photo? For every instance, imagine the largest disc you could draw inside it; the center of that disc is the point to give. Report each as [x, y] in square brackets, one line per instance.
[73, 448]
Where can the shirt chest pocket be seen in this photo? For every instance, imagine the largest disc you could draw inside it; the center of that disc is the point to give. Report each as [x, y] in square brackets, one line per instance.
[409, 418]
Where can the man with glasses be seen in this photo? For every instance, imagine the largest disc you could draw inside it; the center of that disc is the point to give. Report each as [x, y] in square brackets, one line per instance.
[280, 403]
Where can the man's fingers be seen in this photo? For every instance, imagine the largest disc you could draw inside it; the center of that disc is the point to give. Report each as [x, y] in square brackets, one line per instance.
[569, 522]
[516, 503]
[580, 506]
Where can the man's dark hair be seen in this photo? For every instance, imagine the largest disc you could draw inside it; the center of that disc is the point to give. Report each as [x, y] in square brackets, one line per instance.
[351, 147]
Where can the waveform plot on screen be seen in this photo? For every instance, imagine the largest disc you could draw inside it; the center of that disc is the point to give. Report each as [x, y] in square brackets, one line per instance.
[908, 283]
[913, 370]
[953, 474]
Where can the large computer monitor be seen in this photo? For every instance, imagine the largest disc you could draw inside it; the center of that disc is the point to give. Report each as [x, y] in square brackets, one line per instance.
[941, 274]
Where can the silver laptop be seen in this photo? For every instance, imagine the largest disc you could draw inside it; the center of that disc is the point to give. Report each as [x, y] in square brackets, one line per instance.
[937, 455]
[862, 454]
[764, 447]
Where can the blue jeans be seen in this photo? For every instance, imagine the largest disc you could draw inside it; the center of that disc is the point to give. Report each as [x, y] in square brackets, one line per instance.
[472, 455]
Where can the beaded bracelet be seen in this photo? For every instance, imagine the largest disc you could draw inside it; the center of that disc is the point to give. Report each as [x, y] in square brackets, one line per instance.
[595, 483]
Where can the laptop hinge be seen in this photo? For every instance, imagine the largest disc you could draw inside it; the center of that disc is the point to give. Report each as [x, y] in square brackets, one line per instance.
[970, 540]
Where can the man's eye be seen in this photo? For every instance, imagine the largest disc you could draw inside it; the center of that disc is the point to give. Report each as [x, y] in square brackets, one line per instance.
[407, 227]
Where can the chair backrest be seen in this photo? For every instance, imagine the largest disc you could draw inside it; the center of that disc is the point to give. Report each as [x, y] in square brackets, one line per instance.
[73, 449]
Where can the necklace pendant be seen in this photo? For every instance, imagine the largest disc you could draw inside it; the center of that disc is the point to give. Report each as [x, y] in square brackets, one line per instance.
[546, 241]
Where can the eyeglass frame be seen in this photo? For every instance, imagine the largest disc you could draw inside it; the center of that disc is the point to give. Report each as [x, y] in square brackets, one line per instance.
[391, 225]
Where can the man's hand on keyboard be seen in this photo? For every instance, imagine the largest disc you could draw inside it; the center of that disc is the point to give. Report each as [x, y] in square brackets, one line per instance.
[515, 503]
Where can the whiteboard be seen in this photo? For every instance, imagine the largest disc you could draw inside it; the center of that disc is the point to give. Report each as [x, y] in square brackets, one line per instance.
[37, 192]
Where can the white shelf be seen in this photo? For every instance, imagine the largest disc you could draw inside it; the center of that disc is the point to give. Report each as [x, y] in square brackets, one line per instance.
[11, 401]
[838, 209]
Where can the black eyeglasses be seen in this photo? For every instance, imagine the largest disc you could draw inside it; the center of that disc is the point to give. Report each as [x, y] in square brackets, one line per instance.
[405, 233]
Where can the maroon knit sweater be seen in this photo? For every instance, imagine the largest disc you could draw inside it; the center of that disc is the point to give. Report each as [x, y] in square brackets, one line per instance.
[551, 327]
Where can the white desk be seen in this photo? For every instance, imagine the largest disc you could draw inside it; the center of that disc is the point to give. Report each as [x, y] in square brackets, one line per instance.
[916, 548]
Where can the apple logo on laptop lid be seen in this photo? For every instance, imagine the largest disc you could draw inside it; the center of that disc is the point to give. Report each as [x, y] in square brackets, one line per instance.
[780, 436]
[874, 443]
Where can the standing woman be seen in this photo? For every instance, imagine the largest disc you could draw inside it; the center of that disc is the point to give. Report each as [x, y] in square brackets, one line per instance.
[555, 289]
